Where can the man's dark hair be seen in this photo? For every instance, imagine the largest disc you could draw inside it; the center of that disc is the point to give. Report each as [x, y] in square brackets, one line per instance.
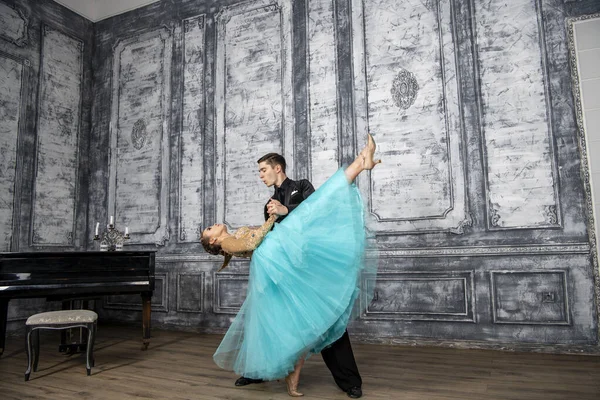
[273, 159]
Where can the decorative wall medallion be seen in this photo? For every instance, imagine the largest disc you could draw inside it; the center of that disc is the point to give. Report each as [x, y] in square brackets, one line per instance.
[164, 239]
[139, 134]
[460, 229]
[404, 89]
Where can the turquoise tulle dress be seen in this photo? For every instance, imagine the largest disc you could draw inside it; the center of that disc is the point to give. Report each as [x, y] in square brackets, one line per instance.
[304, 280]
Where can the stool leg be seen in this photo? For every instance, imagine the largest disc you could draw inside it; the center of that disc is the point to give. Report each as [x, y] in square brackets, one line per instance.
[29, 348]
[91, 344]
[36, 352]
[88, 353]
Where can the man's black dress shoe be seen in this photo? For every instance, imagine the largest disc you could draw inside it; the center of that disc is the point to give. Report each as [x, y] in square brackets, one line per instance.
[243, 381]
[354, 392]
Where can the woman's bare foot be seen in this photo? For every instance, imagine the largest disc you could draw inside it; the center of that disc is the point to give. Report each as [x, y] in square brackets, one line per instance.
[292, 385]
[367, 154]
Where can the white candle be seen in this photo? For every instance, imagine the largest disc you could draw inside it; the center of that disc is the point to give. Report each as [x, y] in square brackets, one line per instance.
[111, 220]
[97, 227]
[126, 230]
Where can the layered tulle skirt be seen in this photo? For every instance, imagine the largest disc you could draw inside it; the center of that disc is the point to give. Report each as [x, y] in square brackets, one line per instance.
[304, 280]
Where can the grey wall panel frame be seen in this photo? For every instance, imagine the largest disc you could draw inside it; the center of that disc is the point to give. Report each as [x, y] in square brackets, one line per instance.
[582, 143]
[228, 300]
[253, 103]
[191, 143]
[409, 87]
[13, 24]
[56, 182]
[420, 296]
[528, 297]
[190, 292]
[140, 150]
[324, 144]
[516, 121]
[13, 85]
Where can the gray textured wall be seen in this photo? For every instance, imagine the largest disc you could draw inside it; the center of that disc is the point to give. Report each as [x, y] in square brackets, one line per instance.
[479, 209]
[45, 101]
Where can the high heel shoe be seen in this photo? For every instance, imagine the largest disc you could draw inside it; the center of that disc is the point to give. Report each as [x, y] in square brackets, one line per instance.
[291, 387]
[367, 153]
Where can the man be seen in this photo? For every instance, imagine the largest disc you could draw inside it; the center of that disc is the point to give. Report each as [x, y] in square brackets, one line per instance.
[288, 195]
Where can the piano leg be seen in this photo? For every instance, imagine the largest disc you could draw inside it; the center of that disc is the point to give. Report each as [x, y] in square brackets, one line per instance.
[3, 318]
[146, 316]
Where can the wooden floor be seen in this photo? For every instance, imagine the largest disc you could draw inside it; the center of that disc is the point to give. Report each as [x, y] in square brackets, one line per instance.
[178, 365]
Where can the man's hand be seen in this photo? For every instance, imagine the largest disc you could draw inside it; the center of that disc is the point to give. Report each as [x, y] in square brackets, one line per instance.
[275, 207]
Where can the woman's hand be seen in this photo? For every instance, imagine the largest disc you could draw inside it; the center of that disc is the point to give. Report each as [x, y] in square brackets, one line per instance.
[275, 207]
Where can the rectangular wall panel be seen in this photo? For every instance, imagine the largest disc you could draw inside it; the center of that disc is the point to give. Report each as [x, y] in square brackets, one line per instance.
[190, 292]
[254, 104]
[407, 95]
[11, 92]
[421, 296]
[59, 115]
[520, 173]
[191, 180]
[322, 90]
[536, 297]
[13, 24]
[133, 302]
[229, 292]
[139, 137]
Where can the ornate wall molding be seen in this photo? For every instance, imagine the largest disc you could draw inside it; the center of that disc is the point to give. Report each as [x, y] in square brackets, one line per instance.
[13, 24]
[139, 156]
[436, 252]
[484, 251]
[423, 137]
[253, 101]
[191, 142]
[56, 185]
[520, 167]
[200, 257]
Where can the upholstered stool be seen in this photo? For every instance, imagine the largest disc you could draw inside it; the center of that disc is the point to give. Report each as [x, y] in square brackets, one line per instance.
[59, 320]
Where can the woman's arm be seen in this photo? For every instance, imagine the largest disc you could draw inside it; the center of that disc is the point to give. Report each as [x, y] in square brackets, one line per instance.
[249, 241]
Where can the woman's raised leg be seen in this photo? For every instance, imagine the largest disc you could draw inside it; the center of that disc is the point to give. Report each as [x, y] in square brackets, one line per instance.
[363, 161]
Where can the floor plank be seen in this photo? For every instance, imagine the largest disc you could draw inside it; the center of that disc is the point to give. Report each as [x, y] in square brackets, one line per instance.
[179, 365]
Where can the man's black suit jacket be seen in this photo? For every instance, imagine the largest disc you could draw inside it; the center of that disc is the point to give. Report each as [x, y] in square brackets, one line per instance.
[294, 193]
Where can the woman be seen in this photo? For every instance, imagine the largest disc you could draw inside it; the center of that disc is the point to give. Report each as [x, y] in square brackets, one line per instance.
[303, 279]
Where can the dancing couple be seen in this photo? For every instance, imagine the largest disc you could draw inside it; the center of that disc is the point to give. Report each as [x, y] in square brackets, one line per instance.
[306, 260]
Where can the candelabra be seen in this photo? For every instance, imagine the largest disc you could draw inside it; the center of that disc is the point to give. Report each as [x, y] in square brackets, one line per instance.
[111, 239]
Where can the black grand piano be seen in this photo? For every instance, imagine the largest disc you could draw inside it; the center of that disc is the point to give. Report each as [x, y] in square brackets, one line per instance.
[70, 275]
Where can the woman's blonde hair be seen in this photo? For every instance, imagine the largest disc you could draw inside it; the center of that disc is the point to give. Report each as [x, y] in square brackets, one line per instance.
[215, 249]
